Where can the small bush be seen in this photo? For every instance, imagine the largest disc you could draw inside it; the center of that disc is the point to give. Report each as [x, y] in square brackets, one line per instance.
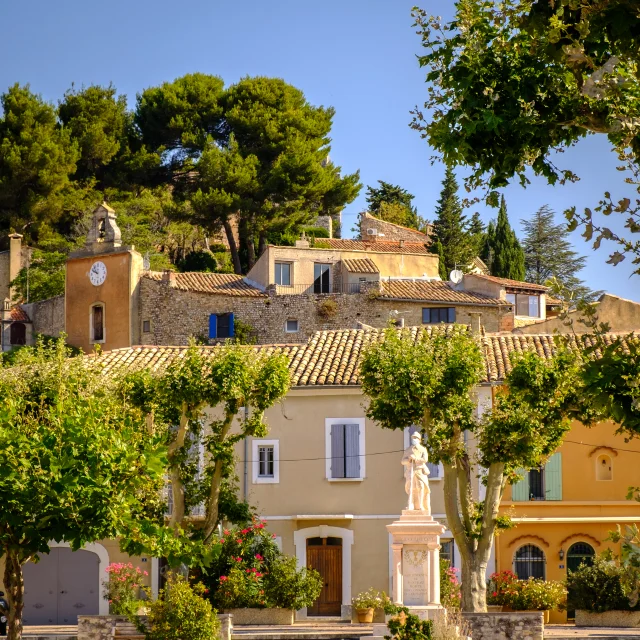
[123, 588]
[407, 626]
[450, 594]
[371, 599]
[181, 613]
[597, 588]
[327, 308]
[500, 587]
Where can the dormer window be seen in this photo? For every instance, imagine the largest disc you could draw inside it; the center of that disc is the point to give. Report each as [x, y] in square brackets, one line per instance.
[525, 305]
[96, 324]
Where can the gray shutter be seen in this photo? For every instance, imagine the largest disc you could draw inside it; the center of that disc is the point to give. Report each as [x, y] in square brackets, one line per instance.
[352, 450]
[520, 490]
[337, 451]
[553, 477]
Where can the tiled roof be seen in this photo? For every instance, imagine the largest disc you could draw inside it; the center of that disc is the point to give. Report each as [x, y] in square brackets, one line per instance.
[18, 314]
[515, 284]
[399, 226]
[333, 357]
[552, 301]
[434, 292]
[226, 284]
[363, 265]
[381, 246]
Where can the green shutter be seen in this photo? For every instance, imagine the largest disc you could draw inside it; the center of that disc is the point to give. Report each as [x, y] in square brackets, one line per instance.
[553, 477]
[520, 490]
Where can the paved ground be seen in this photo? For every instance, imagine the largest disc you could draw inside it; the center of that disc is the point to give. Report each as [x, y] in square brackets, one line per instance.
[563, 631]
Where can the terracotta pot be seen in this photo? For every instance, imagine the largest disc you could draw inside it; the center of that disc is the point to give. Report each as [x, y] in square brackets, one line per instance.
[365, 616]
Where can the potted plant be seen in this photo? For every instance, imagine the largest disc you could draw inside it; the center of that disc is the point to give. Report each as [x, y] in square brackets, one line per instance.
[500, 587]
[367, 602]
[535, 594]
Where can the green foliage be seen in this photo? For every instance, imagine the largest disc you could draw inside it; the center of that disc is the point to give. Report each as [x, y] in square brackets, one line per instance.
[122, 588]
[180, 613]
[394, 204]
[407, 626]
[250, 571]
[536, 595]
[477, 232]
[506, 255]
[36, 158]
[629, 559]
[450, 228]
[438, 249]
[44, 278]
[597, 588]
[198, 261]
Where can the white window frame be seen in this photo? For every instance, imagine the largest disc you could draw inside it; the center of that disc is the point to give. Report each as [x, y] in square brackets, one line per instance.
[104, 323]
[287, 330]
[290, 265]
[328, 422]
[407, 444]
[255, 461]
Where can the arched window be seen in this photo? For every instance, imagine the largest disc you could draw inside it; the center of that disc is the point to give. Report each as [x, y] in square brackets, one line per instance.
[529, 562]
[17, 334]
[97, 324]
[604, 467]
[579, 553]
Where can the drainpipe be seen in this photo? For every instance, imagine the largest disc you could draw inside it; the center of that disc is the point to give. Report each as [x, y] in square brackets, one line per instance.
[245, 485]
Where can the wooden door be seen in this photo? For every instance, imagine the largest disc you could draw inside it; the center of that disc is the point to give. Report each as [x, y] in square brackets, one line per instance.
[325, 556]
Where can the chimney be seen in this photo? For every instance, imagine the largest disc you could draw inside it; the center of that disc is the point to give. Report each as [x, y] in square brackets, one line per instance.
[15, 258]
[475, 317]
[401, 243]
[302, 243]
[169, 277]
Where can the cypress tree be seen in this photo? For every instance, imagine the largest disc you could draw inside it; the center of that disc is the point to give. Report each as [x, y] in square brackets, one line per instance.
[508, 256]
[450, 229]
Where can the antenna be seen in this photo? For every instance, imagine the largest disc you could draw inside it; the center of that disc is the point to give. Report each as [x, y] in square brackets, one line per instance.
[456, 276]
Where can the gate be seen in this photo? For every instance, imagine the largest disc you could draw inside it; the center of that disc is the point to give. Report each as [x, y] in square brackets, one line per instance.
[63, 585]
[579, 553]
[325, 556]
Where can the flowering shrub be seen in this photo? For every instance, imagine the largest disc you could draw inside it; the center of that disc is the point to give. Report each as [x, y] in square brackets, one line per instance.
[250, 571]
[501, 587]
[180, 613]
[123, 587]
[450, 594]
[371, 599]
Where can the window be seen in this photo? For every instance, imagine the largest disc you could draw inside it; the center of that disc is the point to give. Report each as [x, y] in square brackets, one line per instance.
[442, 314]
[283, 273]
[221, 325]
[321, 278]
[540, 484]
[97, 328]
[291, 326]
[524, 305]
[345, 449]
[529, 562]
[604, 468]
[447, 552]
[436, 470]
[266, 463]
[146, 326]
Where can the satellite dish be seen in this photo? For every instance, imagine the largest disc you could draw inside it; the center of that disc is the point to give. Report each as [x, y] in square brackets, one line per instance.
[456, 276]
[146, 262]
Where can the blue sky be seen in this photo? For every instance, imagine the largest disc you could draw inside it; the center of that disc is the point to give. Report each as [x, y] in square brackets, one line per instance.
[357, 55]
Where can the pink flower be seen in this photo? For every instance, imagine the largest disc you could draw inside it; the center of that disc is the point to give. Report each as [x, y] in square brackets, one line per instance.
[259, 557]
[245, 531]
[239, 541]
[223, 578]
[145, 573]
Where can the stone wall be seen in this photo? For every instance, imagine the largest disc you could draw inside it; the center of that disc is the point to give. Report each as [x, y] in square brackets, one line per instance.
[176, 315]
[47, 316]
[517, 625]
[389, 230]
[98, 627]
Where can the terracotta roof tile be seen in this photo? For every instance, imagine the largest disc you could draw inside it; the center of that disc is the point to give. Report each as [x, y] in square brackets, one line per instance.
[361, 265]
[434, 292]
[381, 246]
[226, 284]
[515, 284]
[333, 357]
[18, 314]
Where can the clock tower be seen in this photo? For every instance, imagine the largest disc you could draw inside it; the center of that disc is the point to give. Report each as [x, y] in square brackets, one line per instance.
[101, 290]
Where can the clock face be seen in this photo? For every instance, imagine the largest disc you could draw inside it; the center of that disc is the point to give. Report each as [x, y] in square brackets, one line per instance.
[98, 273]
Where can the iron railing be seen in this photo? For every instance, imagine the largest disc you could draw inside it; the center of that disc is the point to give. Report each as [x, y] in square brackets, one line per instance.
[318, 288]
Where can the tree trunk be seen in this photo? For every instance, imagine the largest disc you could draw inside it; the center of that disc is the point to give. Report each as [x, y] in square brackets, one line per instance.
[474, 586]
[262, 243]
[14, 584]
[177, 493]
[251, 250]
[233, 247]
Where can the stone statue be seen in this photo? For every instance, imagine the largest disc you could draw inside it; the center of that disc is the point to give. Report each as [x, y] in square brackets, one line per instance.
[416, 473]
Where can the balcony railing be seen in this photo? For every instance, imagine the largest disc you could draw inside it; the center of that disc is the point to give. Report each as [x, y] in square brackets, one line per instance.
[319, 288]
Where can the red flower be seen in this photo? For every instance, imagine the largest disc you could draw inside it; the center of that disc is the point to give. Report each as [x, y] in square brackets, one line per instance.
[259, 557]
[223, 578]
[239, 541]
[245, 531]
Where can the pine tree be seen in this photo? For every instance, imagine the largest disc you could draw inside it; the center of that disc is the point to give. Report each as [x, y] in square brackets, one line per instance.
[449, 228]
[549, 254]
[438, 249]
[486, 252]
[508, 256]
[476, 231]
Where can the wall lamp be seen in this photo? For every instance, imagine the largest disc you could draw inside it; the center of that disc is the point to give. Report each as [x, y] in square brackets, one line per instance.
[561, 554]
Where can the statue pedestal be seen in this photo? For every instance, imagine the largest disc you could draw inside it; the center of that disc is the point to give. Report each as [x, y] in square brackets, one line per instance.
[415, 540]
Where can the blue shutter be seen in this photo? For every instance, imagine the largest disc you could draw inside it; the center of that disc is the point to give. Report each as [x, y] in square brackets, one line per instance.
[231, 329]
[213, 326]
[337, 451]
[451, 312]
[352, 450]
[426, 316]
[520, 490]
[553, 477]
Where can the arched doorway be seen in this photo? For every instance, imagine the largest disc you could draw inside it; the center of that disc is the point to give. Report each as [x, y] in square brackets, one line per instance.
[579, 553]
[17, 334]
[529, 562]
[61, 586]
